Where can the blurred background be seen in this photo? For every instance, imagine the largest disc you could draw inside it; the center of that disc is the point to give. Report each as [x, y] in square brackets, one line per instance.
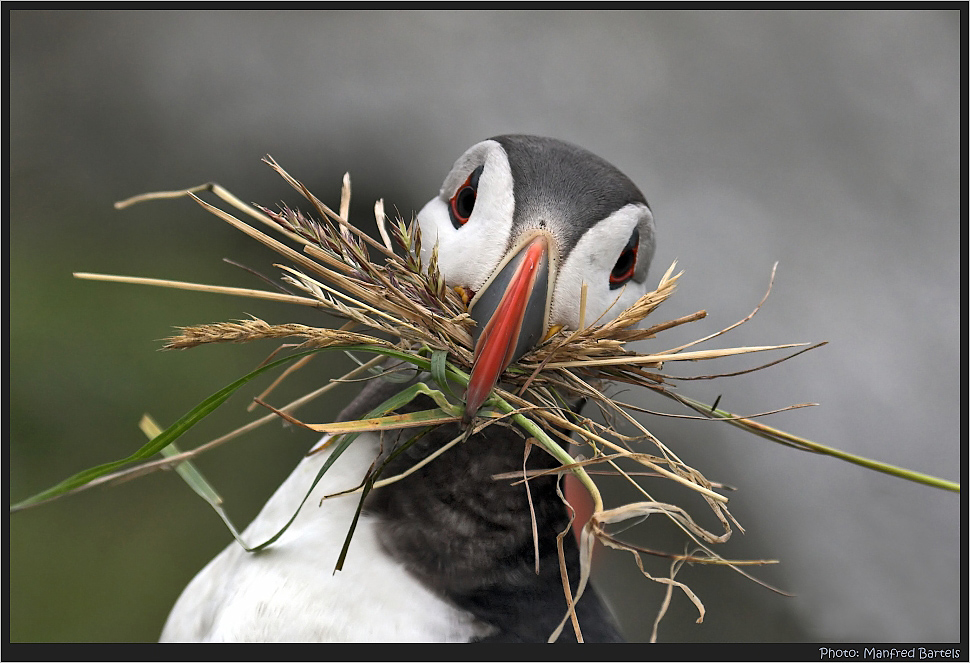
[827, 141]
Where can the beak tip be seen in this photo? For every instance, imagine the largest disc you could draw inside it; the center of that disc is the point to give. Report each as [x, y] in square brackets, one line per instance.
[474, 397]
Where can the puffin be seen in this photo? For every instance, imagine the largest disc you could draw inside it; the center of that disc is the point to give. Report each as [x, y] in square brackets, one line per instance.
[450, 553]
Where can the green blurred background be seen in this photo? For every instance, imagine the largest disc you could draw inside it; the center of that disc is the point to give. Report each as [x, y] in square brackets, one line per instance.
[827, 141]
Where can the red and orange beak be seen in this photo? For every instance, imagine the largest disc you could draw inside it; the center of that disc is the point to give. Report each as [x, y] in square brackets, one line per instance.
[512, 315]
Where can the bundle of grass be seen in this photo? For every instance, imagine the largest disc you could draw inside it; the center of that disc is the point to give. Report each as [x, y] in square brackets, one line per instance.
[402, 311]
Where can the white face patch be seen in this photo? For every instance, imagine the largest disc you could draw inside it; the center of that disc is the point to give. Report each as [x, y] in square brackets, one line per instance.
[592, 260]
[468, 255]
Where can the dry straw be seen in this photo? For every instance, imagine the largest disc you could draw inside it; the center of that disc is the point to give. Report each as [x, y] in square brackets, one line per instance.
[397, 307]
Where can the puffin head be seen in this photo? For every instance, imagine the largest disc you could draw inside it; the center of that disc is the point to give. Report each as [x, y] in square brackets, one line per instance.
[522, 223]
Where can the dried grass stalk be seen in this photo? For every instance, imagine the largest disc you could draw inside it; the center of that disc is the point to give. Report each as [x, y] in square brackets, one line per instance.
[255, 329]
[398, 297]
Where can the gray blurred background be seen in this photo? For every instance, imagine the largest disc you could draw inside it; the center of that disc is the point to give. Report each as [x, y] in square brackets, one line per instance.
[827, 141]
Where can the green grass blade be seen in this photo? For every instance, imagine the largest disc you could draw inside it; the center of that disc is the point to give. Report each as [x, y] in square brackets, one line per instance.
[342, 442]
[167, 436]
[192, 476]
[366, 487]
[804, 444]
[439, 362]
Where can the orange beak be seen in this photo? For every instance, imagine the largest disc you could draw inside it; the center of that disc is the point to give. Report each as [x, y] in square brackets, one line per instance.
[514, 303]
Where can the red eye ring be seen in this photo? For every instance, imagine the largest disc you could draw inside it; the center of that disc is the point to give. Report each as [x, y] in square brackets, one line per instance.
[462, 204]
[626, 264]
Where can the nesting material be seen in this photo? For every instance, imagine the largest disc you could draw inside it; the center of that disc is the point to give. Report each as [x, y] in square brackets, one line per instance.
[396, 306]
[401, 310]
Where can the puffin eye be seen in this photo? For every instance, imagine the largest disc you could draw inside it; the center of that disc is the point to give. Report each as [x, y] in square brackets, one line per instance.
[463, 202]
[627, 262]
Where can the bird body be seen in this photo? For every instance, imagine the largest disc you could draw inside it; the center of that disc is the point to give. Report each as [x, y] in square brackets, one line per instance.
[450, 553]
[290, 592]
